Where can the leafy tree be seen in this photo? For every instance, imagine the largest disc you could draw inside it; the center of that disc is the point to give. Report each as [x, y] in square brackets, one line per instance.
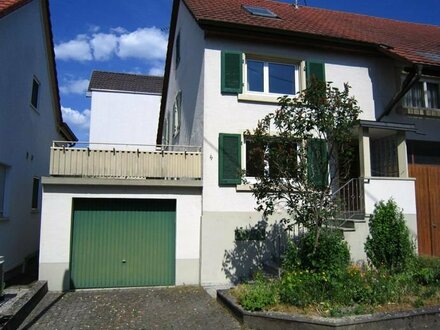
[295, 147]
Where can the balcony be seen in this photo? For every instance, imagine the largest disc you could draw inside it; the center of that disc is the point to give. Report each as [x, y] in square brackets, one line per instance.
[120, 161]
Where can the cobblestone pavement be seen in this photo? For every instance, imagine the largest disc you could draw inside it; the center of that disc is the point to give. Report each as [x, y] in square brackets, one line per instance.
[150, 308]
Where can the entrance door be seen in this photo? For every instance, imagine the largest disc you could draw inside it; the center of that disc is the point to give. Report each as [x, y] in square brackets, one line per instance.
[428, 207]
[123, 242]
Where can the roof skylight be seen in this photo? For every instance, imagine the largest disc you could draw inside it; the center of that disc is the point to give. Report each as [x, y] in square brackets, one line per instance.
[260, 11]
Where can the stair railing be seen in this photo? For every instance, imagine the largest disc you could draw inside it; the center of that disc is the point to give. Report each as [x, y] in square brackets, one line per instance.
[350, 198]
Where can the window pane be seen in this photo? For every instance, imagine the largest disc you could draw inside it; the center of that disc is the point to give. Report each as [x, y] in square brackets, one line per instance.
[415, 97]
[433, 94]
[255, 76]
[254, 159]
[281, 78]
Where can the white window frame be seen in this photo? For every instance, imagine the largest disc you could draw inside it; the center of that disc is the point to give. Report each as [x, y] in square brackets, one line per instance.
[424, 81]
[266, 96]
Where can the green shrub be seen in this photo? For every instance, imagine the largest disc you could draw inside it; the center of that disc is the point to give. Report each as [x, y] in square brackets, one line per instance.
[290, 260]
[331, 254]
[426, 270]
[302, 288]
[389, 244]
[258, 295]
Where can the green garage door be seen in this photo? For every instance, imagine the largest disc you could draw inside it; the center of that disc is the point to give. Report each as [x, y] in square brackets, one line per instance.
[123, 242]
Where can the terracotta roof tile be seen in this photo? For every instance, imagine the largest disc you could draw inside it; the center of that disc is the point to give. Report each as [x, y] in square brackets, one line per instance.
[417, 43]
[116, 81]
[8, 6]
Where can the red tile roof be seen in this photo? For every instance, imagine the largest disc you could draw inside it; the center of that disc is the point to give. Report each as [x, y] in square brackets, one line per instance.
[417, 43]
[8, 6]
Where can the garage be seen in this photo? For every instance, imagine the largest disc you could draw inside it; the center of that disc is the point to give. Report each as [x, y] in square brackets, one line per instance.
[122, 243]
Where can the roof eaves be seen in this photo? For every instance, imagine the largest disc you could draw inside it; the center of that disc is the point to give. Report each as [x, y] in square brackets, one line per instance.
[166, 78]
[63, 127]
[238, 29]
[13, 7]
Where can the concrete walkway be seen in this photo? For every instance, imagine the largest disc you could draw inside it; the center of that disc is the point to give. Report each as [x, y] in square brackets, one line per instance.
[150, 308]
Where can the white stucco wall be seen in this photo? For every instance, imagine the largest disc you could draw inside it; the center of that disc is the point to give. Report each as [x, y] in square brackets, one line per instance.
[25, 133]
[227, 114]
[120, 117]
[57, 222]
[188, 78]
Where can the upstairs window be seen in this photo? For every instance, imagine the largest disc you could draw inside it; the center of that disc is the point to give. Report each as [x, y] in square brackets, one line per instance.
[271, 77]
[35, 93]
[261, 78]
[424, 94]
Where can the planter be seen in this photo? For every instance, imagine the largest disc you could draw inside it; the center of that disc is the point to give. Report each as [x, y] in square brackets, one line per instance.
[421, 318]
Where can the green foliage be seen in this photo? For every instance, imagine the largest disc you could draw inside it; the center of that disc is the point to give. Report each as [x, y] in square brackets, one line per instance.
[330, 254]
[349, 291]
[290, 261]
[426, 270]
[320, 113]
[389, 244]
[262, 293]
[302, 288]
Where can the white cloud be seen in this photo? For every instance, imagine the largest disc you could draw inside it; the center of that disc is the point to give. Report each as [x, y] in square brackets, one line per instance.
[78, 86]
[103, 45]
[119, 30]
[77, 49]
[156, 70]
[77, 120]
[146, 43]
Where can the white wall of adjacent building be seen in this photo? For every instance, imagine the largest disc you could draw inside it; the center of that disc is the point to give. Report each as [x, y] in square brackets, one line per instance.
[124, 117]
[26, 132]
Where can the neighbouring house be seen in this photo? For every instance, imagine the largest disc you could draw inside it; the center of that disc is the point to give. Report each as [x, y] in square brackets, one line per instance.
[125, 109]
[30, 119]
[227, 63]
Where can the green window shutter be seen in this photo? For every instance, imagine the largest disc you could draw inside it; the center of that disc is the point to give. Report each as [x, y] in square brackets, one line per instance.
[231, 71]
[317, 163]
[315, 69]
[229, 159]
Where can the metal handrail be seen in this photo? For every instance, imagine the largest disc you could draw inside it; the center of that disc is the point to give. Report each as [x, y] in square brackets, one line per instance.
[92, 145]
[351, 200]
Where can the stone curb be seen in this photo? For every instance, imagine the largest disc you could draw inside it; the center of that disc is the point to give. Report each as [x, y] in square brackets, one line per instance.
[421, 318]
[22, 308]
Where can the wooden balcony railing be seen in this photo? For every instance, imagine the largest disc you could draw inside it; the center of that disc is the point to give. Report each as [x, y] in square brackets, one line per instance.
[118, 161]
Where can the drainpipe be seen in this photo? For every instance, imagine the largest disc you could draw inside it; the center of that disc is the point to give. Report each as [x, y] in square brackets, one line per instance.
[409, 82]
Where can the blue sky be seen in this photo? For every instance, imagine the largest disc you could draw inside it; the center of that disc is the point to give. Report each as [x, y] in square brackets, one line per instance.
[131, 36]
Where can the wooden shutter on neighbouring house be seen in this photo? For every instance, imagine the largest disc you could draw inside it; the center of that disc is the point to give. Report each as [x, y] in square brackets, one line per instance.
[317, 163]
[229, 159]
[316, 69]
[231, 72]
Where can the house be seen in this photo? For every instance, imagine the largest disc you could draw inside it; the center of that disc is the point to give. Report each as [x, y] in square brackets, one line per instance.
[227, 63]
[230, 60]
[30, 119]
[125, 108]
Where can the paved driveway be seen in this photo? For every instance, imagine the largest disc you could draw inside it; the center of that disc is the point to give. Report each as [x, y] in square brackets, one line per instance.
[170, 308]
